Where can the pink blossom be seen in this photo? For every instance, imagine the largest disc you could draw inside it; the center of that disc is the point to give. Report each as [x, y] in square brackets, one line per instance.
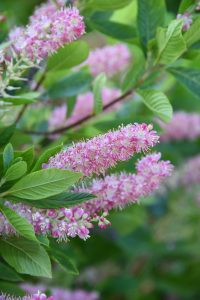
[187, 20]
[109, 60]
[84, 107]
[49, 28]
[182, 126]
[62, 294]
[102, 152]
[114, 191]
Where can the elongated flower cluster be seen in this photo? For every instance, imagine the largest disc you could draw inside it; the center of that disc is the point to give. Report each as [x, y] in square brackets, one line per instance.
[187, 20]
[114, 191]
[83, 107]
[62, 294]
[49, 28]
[102, 152]
[109, 60]
[182, 126]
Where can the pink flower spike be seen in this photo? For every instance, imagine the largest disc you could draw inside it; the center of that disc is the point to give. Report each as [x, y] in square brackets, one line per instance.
[102, 152]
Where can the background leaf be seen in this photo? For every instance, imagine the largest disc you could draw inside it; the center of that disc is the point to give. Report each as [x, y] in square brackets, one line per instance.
[26, 257]
[107, 4]
[190, 78]
[16, 171]
[171, 44]
[9, 274]
[8, 156]
[6, 134]
[158, 103]
[98, 85]
[66, 199]
[151, 14]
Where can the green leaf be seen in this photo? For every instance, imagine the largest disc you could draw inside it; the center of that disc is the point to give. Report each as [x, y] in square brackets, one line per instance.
[43, 240]
[71, 85]
[9, 274]
[45, 157]
[69, 56]
[20, 224]
[158, 103]
[16, 171]
[98, 84]
[190, 78]
[185, 4]
[44, 183]
[6, 134]
[65, 199]
[8, 156]
[170, 42]
[135, 70]
[27, 98]
[26, 257]
[27, 156]
[192, 35]
[107, 4]
[116, 30]
[151, 14]
[64, 261]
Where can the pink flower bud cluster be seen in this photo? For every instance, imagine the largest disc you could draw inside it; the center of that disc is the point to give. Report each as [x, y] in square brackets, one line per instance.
[182, 126]
[102, 152]
[114, 191]
[62, 294]
[49, 28]
[83, 108]
[187, 20]
[109, 60]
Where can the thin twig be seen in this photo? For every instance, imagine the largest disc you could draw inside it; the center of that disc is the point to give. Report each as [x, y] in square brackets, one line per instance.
[79, 122]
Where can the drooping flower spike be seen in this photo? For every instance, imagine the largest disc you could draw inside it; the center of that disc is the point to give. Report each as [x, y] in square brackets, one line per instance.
[114, 191]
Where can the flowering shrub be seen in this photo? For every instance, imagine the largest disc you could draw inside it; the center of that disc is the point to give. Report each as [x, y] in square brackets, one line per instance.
[83, 187]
